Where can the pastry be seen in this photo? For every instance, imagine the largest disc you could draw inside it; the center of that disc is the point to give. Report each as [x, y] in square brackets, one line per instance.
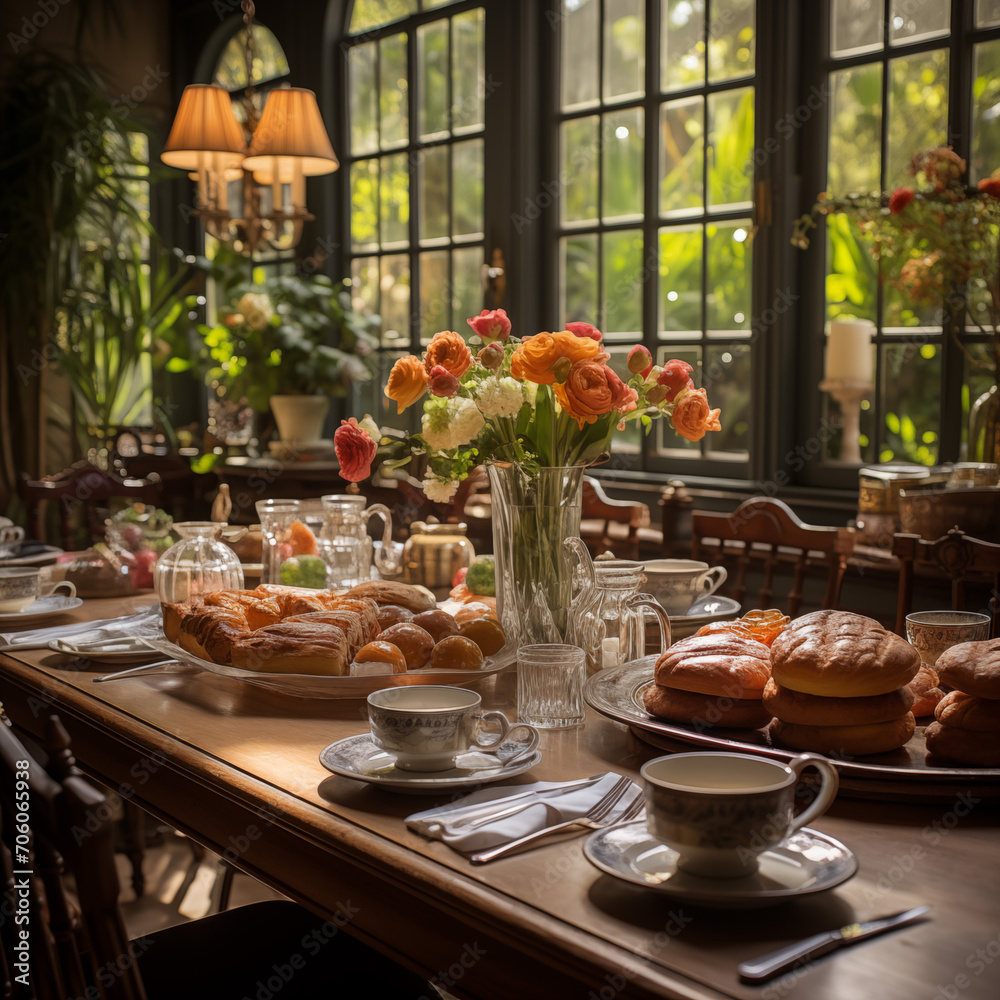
[966, 747]
[846, 741]
[393, 614]
[209, 632]
[719, 664]
[925, 691]
[300, 647]
[972, 667]
[815, 710]
[455, 652]
[415, 599]
[438, 623]
[704, 710]
[838, 654]
[966, 711]
[486, 633]
[415, 642]
[382, 652]
[349, 622]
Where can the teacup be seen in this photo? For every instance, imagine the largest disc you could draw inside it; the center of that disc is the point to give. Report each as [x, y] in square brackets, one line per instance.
[678, 583]
[426, 726]
[720, 811]
[930, 633]
[21, 586]
[11, 534]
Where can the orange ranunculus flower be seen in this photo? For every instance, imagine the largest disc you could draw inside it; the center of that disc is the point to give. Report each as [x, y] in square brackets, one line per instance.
[692, 418]
[592, 390]
[535, 358]
[407, 382]
[449, 350]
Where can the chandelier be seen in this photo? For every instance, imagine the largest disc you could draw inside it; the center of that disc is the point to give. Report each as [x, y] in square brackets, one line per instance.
[251, 178]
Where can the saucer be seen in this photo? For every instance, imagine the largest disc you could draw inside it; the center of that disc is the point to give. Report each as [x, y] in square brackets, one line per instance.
[124, 650]
[358, 757]
[54, 604]
[807, 862]
[702, 612]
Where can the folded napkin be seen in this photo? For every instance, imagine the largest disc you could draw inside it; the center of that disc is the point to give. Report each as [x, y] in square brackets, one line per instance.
[143, 623]
[539, 805]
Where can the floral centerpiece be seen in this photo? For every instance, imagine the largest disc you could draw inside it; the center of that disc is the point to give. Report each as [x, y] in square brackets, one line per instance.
[940, 240]
[537, 411]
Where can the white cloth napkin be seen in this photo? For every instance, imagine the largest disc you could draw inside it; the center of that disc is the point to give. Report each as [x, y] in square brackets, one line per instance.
[545, 804]
[145, 622]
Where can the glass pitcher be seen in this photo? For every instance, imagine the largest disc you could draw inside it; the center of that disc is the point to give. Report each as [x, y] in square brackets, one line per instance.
[347, 547]
[200, 563]
[292, 550]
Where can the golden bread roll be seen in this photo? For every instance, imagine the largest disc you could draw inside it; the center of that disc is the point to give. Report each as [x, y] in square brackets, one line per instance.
[293, 648]
[837, 654]
[815, 710]
[846, 741]
[719, 664]
[925, 690]
[209, 632]
[967, 747]
[704, 710]
[966, 711]
[972, 667]
[415, 599]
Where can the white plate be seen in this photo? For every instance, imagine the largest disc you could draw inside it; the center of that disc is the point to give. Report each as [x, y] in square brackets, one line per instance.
[123, 650]
[45, 554]
[807, 862]
[703, 612]
[55, 604]
[357, 757]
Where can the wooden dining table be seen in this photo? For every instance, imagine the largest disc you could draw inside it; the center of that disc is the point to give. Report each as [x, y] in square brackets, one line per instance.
[236, 767]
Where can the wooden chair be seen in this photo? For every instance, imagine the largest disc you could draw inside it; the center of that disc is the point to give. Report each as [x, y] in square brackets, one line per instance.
[963, 559]
[79, 946]
[84, 484]
[611, 525]
[767, 529]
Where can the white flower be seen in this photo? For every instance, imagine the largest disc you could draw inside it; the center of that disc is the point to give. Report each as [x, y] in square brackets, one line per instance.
[450, 423]
[529, 390]
[256, 309]
[499, 397]
[371, 428]
[439, 490]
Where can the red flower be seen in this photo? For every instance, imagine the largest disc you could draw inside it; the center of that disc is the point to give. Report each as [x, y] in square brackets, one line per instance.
[491, 324]
[442, 382]
[355, 451]
[640, 361]
[990, 186]
[675, 377]
[899, 199]
[584, 330]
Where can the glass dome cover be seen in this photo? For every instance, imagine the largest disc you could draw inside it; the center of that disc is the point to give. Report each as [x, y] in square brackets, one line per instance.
[200, 563]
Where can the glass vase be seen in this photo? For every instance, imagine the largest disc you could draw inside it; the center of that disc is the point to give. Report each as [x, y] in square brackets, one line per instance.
[544, 576]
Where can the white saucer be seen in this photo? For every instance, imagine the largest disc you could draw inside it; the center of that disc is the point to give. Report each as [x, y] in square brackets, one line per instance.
[357, 757]
[54, 604]
[807, 862]
[123, 650]
[38, 555]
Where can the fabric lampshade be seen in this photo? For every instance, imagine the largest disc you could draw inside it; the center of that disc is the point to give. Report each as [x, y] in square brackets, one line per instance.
[290, 135]
[204, 123]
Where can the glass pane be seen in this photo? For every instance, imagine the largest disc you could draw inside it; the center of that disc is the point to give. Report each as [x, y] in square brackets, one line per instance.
[623, 137]
[368, 397]
[856, 26]
[682, 155]
[985, 111]
[979, 378]
[727, 379]
[364, 285]
[578, 47]
[433, 190]
[467, 178]
[667, 439]
[621, 309]
[731, 40]
[987, 13]
[628, 441]
[911, 381]
[435, 295]
[394, 284]
[852, 273]
[913, 22]
[393, 113]
[578, 267]
[680, 279]
[368, 14]
[682, 43]
[580, 145]
[468, 69]
[364, 203]
[730, 147]
[855, 129]
[918, 109]
[364, 98]
[727, 302]
[432, 72]
[269, 61]
[624, 48]
[467, 292]
[394, 198]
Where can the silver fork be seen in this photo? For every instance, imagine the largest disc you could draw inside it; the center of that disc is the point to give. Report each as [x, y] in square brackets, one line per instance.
[594, 819]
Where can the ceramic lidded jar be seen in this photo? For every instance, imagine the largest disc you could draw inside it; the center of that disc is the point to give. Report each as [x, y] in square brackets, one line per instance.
[434, 553]
[200, 563]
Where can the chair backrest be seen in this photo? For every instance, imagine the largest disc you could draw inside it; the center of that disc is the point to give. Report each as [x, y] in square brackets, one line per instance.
[767, 529]
[81, 484]
[53, 823]
[962, 558]
[611, 524]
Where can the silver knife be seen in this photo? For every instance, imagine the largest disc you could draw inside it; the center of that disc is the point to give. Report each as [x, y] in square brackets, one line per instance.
[769, 966]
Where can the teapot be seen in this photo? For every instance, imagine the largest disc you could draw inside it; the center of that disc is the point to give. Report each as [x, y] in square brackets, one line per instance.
[434, 553]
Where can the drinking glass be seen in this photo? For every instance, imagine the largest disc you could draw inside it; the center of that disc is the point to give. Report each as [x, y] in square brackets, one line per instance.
[550, 680]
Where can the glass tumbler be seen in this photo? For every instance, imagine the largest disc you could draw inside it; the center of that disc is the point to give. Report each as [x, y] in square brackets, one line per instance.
[550, 680]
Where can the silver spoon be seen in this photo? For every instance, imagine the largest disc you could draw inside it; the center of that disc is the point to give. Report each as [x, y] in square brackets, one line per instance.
[132, 671]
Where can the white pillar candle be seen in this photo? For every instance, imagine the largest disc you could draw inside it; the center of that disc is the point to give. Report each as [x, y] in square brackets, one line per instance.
[849, 350]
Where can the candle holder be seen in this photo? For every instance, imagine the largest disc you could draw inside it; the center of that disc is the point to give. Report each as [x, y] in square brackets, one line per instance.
[849, 392]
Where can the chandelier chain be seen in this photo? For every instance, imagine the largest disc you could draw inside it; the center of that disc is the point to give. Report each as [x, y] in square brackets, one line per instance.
[248, 15]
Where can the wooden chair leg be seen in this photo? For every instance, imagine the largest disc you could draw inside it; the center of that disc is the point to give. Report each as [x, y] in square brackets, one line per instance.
[134, 843]
[228, 873]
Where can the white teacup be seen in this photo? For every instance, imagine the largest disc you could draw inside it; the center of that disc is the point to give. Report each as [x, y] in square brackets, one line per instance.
[22, 585]
[426, 726]
[719, 811]
[10, 534]
[678, 583]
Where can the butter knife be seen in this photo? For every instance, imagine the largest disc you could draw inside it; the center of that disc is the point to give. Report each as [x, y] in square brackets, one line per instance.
[777, 962]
